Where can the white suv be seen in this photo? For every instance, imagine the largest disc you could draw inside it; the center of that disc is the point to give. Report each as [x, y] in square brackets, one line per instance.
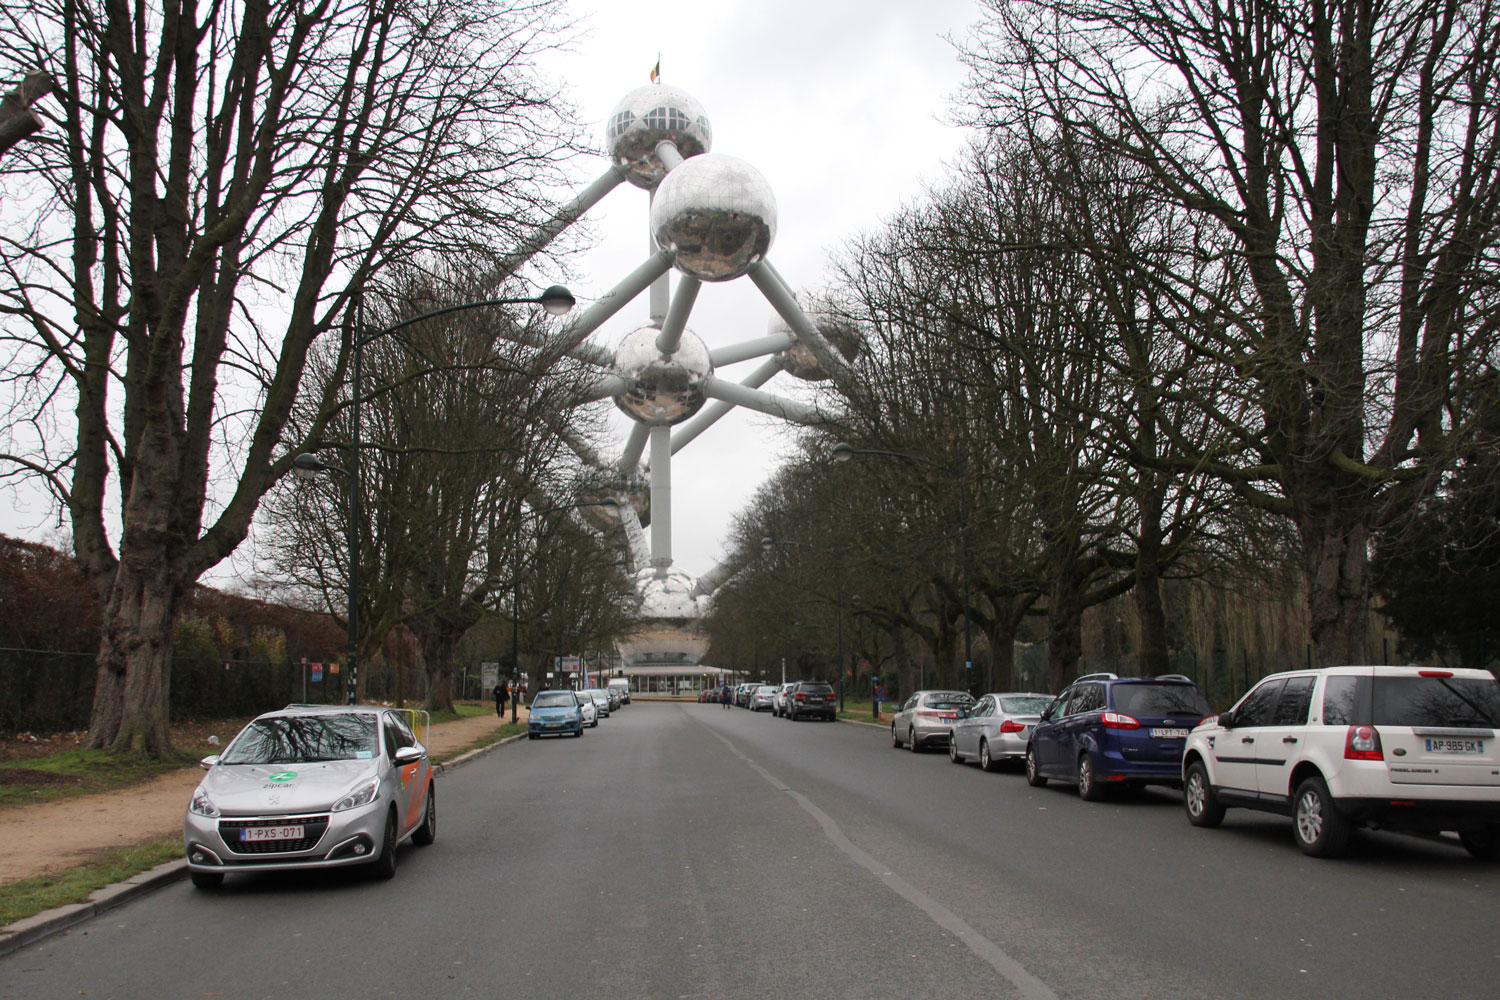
[1400, 748]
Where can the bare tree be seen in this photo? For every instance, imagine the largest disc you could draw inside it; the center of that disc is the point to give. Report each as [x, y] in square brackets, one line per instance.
[1346, 149]
[226, 180]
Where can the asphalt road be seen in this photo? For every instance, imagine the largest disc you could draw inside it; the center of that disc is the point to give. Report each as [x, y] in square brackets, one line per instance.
[689, 851]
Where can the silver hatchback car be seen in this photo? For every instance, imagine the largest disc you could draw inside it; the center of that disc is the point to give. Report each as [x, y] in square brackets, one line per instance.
[311, 786]
[927, 717]
[997, 728]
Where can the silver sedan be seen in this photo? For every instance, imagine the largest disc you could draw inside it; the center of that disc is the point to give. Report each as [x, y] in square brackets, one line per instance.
[927, 718]
[996, 729]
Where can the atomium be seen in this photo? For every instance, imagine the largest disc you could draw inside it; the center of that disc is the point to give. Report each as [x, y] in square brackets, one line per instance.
[716, 214]
[650, 115]
[664, 388]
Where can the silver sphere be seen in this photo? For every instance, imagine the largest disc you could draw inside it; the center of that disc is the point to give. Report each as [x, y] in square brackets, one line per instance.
[842, 334]
[632, 488]
[664, 389]
[717, 213]
[646, 116]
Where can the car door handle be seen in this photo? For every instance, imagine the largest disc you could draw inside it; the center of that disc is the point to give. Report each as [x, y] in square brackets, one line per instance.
[1247, 739]
[1289, 739]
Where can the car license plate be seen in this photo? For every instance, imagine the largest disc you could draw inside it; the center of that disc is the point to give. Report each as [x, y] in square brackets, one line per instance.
[271, 833]
[1169, 734]
[1455, 746]
[551, 725]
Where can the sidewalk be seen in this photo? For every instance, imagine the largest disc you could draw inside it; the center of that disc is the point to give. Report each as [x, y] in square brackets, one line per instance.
[50, 837]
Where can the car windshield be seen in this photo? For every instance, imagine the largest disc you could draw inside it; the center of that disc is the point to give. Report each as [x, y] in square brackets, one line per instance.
[1436, 701]
[300, 739]
[1159, 699]
[555, 699]
[1024, 706]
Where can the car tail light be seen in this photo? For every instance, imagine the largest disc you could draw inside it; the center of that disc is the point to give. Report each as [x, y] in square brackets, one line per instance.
[932, 715]
[1012, 726]
[801, 696]
[1362, 743]
[1114, 720]
[1434, 673]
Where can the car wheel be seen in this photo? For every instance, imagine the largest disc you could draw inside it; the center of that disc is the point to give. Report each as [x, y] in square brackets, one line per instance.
[427, 832]
[985, 760]
[1033, 773]
[895, 740]
[1321, 830]
[953, 750]
[1089, 787]
[531, 736]
[385, 865]
[911, 741]
[206, 880]
[1482, 845]
[579, 730]
[1198, 798]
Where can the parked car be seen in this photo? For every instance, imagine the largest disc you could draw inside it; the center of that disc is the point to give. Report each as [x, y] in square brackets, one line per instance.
[742, 695]
[587, 707]
[763, 699]
[927, 717]
[615, 698]
[554, 713]
[813, 699]
[778, 703]
[1399, 748]
[601, 702]
[311, 787]
[622, 685]
[1105, 730]
[996, 729]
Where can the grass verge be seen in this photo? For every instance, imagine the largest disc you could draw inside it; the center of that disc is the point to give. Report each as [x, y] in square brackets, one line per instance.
[77, 772]
[31, 896]
[493, 736]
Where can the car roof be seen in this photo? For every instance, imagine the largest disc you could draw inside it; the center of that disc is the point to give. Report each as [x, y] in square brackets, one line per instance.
[295, 710]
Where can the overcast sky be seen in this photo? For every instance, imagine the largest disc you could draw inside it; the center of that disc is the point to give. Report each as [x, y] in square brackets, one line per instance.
[840, 104]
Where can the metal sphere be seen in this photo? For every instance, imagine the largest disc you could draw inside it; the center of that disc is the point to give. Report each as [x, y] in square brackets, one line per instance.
[664, 388]
[632, 488]
[798, 359]
[717, 213]
[646, 116]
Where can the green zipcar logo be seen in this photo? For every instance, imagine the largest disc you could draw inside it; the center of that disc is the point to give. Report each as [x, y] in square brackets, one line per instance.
[283, 775]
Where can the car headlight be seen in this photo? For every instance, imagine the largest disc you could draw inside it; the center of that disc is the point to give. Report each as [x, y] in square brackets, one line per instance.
[361, 796]
[202, 806]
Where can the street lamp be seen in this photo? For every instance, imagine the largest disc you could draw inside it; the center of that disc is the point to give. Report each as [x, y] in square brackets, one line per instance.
[554, 300]
[843, 451]
[767, 544]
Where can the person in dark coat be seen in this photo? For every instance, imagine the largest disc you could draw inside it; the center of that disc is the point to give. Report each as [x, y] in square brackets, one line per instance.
[726, 696]
[501, 695]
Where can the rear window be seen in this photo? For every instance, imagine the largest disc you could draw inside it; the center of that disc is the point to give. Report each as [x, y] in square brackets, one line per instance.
[947, 700]
[1024, 706]
[817, 689]
[1443, 702]
[1159, 699]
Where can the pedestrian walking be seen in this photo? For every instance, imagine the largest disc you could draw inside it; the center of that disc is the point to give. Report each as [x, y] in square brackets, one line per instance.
[502, 695]
[724, 695]
[515, 700]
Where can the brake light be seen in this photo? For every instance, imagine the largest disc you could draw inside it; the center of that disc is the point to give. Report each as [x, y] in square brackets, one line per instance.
[1434, 673]
[1114, 720]
[932, 715]
[801, 696]
[1362, 743]
[1012, 726]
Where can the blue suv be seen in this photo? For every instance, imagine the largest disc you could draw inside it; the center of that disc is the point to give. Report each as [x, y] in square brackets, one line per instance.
[1106, 730]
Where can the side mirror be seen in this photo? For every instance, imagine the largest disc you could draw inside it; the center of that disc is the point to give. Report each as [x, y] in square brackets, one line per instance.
[1226, 719]
[410, 755]
[208, 762]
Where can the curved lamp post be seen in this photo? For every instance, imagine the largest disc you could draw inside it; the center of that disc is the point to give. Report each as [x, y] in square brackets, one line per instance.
[555, 300]
[843, 451]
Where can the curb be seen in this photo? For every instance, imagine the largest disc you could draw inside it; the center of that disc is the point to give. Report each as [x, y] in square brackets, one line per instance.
[14, 937]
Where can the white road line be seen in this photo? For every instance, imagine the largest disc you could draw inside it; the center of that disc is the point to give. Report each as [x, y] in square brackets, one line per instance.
[1027, 985]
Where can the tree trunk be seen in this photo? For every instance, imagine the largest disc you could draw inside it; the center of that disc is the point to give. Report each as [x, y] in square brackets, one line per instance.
[1064, 616]
[1002, 667]
[133, 683]
[1148, 604]
[1335, 543]
[437, 659]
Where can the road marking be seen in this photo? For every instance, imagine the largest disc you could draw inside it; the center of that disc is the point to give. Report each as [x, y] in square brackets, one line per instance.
[1026, 984]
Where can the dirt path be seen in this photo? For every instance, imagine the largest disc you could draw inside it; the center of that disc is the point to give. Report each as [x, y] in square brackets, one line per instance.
[51, 836]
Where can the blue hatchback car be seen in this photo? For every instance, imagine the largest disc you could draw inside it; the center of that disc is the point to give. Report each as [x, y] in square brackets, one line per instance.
[555, 713]
[1106, 730]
